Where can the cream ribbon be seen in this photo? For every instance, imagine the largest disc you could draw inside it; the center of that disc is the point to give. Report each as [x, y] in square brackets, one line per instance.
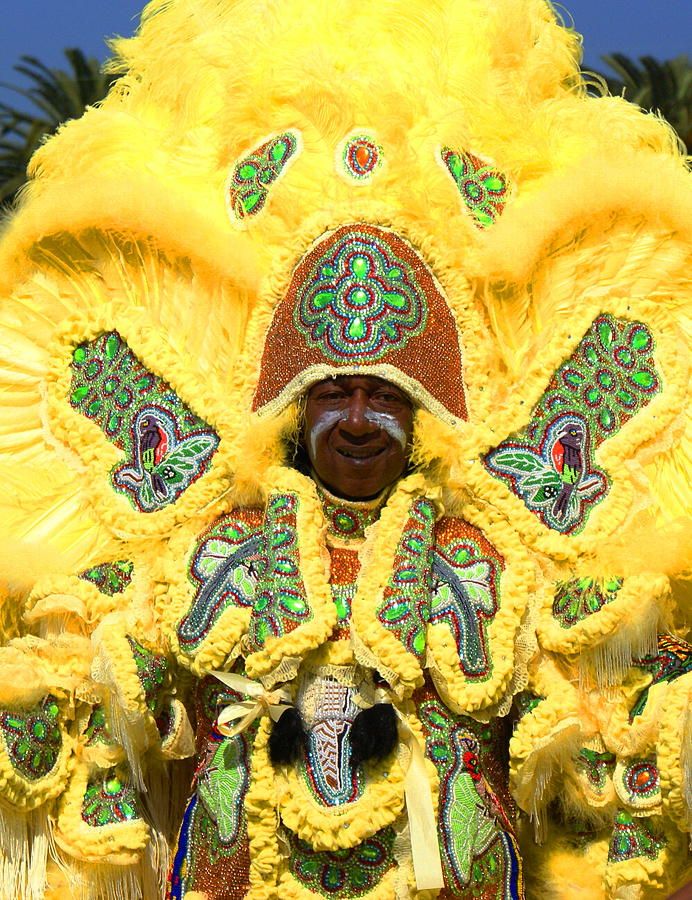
[425, 848]
[262, 701]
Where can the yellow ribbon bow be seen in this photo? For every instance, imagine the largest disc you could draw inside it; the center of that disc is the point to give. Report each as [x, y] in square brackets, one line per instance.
[262, 701]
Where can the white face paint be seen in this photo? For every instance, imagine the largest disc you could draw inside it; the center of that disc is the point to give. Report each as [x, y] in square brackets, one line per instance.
[387, 423]
[326, 420]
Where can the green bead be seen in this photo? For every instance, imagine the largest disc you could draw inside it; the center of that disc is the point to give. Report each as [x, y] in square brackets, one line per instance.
[483, 218]
[606, 418]
[295, 604]
[129, 810]
[394, 273]
[279, 151]
[247, 172]
[574, 378]
[261, 632]
[250, 201]
[455, 164]
[39, 730]
[643, 379]
[398, 301]
[113, 422]
[419, 641]
[78, 394]
[109, 385]
[625, 398]
[593, 395]
[261, 603]
[93, 407]
[606, 333]
[605, 379]
[359, 297]
[640, 339]
[356, 328]
[395, 611]
[112, 346]
[493, 183]
[360, 266]
[327, 272]
[324, 298]
[79, 355]
[461, 556]
[591, 355]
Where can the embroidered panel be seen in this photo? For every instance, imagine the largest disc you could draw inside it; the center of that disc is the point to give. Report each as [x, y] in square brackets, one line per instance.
[359, 299]
[344, 569]
[359, 157]
[549, 464]
[252, 177]
[280, 601]
[109, 798]
[343, 873]
[483, 188]
[110, 578]
[152, 671]
[405, 606]
[634, 837]
[674, 658]
[166, 446]
[224, 568]
[97, 731]
[576, 600]
[477, 843]
[32, 738]
[466, 573]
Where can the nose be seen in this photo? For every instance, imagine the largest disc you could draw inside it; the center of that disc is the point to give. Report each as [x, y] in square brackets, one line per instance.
[355, 423]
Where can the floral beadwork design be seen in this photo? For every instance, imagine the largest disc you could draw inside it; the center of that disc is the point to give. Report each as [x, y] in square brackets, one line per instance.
[405, 606]
[483, 188]
[222, 784]
[465, 591]
[673, 659]
[596, 767]
[280, 603]
[167, 447]
[152, 671]
[249, 183]
[576, 600]
[109, 799]
[549, 464]
[340, 874]
[224, 568]
[32, 738]
[632, 838]
[359, 157]
[110, 578]
[476, 852]
[359, 299]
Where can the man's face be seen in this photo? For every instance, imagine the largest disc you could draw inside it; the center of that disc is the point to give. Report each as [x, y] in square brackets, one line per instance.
[357, 434]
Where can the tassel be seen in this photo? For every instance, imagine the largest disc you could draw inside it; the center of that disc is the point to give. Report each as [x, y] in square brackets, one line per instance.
[288, 737]
[373, 733]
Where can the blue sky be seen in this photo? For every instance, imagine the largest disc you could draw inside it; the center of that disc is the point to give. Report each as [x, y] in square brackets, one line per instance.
[42, 28]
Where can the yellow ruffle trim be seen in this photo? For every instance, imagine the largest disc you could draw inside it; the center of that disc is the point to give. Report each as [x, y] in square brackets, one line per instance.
[280, 657]
[262, 819]
[87, 440]
[674, 751]
[119, 843]
[80, 603]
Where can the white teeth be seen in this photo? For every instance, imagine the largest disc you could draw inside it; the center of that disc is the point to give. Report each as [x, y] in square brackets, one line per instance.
[355, 454]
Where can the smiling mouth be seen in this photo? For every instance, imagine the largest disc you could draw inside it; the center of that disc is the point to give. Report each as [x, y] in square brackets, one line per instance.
[357, 453]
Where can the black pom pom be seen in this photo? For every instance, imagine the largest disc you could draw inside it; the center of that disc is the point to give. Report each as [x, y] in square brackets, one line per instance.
[287, 738]
[373, 733]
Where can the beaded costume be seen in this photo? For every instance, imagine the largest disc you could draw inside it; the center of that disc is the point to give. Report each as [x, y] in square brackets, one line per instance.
[279, 192]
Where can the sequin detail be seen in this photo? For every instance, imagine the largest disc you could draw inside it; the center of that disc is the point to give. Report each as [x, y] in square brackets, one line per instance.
[576, 600]
[224, 568]
[550, 464]
[110, 578]
[483, 188]
[347, 520]
[281, 603]
[359, 299]
[109, 799]
[674, 658]
[405, 606]
[97, 731]
[249, 184]
[152, 671]
[359, 157]
[632, 838]
[166, 446]
[343, 873]
[639, 782]
[32, 738]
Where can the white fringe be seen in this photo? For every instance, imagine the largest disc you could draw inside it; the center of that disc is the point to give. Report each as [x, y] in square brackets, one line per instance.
[25, 841]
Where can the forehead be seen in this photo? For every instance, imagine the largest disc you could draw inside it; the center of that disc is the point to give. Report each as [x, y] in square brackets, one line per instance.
[350, 383]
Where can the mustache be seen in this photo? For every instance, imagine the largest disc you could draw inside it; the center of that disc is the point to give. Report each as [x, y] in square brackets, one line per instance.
[386, 422]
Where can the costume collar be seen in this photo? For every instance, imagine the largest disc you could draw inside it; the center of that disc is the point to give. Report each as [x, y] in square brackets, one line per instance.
[347, 520]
